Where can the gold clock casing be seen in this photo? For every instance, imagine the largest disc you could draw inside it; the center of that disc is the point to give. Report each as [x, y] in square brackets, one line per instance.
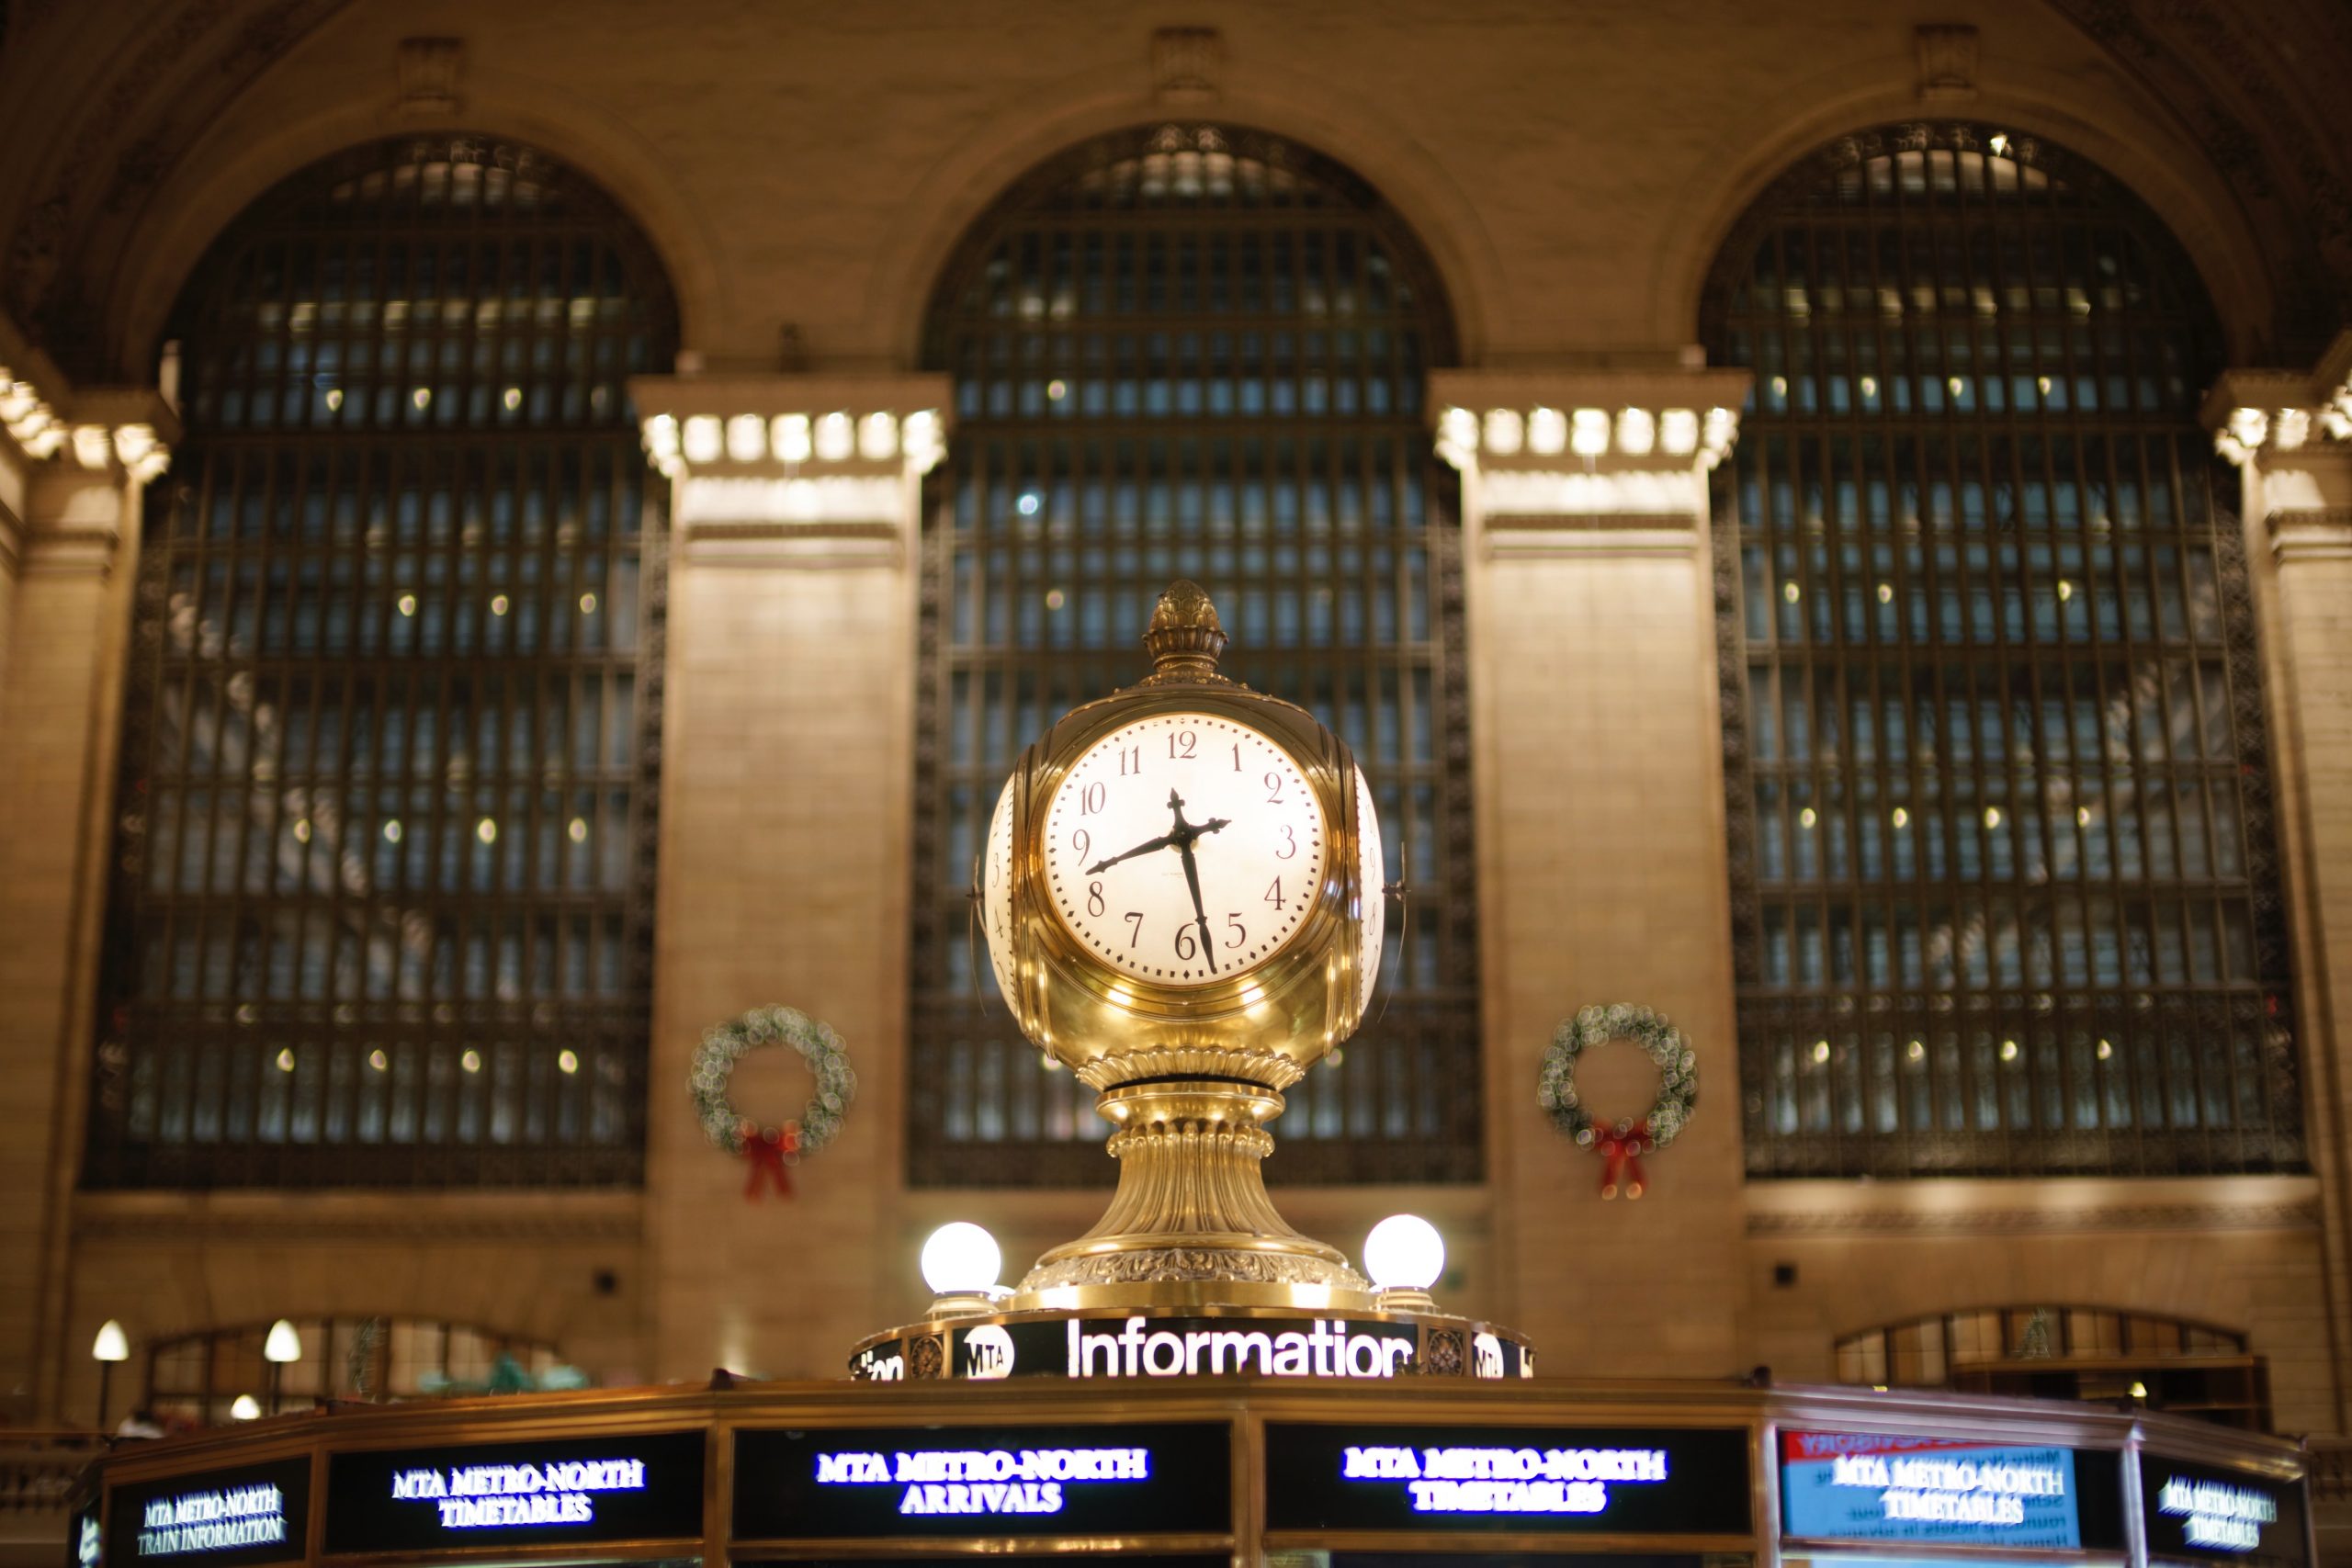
[1189, 1073]
[1266, 1023]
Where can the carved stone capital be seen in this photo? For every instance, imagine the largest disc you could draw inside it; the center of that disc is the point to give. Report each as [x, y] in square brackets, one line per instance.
[1184, 66]
[1585, 461]
[1947, 63]
[2262, 415]
[794, 469]
[427, 71]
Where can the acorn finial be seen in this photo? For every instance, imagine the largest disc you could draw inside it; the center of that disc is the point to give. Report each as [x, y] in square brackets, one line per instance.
[1185, 637]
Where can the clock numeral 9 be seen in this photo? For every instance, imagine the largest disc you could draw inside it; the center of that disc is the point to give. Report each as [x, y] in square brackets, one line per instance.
[1094, 897]
[1091, 798]
[1181, 744]
[1079, 842]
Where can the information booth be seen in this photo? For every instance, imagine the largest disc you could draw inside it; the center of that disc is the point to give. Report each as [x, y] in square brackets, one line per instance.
[1405, 1474]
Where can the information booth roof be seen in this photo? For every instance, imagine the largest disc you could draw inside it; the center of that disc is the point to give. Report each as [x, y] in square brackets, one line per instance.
[1671, 1471]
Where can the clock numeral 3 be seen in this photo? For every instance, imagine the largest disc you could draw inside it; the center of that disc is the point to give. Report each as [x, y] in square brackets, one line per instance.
[1290, 842]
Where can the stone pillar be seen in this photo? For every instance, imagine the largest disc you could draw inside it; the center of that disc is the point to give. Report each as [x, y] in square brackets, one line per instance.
[788, 734]
[1597, 759]
[2290, 435]
[66, 585]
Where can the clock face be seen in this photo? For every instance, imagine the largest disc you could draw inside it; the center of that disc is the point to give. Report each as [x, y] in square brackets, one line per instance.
[996, 892]
[1371, 878]
[1184, 849]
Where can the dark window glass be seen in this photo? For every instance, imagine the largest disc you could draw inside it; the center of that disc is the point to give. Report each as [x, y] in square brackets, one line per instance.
[1198, 353]
[383, 898]
[2006, 899]
[198, 1377]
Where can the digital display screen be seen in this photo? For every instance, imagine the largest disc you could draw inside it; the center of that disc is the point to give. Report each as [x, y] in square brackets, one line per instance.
[1612, 1479]
[1873, 1487]
[2203, 1513]
[630, 1487]
[257, 1513]
[864, 1483]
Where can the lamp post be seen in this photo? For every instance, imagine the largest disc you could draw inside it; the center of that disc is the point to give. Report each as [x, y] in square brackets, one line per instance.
[112, 1345]
[282, 1346]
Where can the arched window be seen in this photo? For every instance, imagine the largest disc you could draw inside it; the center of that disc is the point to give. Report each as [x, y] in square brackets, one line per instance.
[2069, 1352]
[1190, 352]
[382, 900]
[2006, 899]
[198, 1377]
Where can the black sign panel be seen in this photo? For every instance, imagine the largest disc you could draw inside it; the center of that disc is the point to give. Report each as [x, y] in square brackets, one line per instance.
[2201, 1513]
[1603, 1480]
[84, 1533]
[630, 1487]
[862, 1483]
[1162, 1343]
[256, 1513]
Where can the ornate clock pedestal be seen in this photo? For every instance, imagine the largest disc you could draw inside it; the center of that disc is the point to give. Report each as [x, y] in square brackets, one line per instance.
[1191, 1223]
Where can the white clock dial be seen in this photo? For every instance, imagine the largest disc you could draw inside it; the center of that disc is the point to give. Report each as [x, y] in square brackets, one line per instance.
[1372, 873]
[996, 892]
[1184, 849]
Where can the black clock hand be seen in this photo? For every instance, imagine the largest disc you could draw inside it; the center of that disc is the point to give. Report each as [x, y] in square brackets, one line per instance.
[1193, 880]
[1161, 842]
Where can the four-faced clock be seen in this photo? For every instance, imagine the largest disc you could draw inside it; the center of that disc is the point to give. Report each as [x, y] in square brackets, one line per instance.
[1184, 848]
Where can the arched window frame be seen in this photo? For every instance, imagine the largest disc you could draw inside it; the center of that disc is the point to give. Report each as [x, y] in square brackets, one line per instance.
[2092, 1036]
[510, 412]
[1383, 1111]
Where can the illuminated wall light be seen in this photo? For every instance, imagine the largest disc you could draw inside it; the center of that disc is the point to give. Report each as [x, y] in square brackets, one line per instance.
[1917, 1049]
[877, 436]
[1899, 817]
[923, 439]
[470, 1061]
[1870, 386]
[1547, 431]
[1779, 386]
[498, 604]
[286, 1060]
[392, 831]
[835, 437]
[578, 831]
[284, 1343]
[2000, 146]
[2082, 816]
[567, 1062]
[1791, 591]
[1636, 432]
[1721, 425]
[2065, 591]
[1952, 385]
[2105, 1050]
[406, 604]
[1821, 1051]
[587, 604]
[421, 397]
[1589, 432]
[747, 438]
[704, 438]
[1028, 503]
[1057, 389]
[514, 398]
[661, 437]
[2009, 1050]
[2139, 1390]
[1992, 816]
[788, 437]
[245, 1407]
[301, 830]
[1807, 818]
[1678, 431]
[1458, 428]
[487, 830]
[378, 1060]
[1505, 433]
[1886, 593]
[1056, 599]
[2042, 384]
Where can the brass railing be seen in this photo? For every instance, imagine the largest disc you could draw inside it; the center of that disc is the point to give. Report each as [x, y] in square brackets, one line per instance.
[39, 1470]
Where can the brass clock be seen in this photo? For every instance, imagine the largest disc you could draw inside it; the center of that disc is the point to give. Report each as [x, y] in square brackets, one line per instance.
[1181, 891]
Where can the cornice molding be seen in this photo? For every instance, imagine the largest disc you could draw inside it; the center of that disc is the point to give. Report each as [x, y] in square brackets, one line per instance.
[2317, 533]
[279, 1220]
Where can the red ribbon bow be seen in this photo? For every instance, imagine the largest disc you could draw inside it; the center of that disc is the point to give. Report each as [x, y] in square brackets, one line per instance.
[1620, 1159]
[766, 1149]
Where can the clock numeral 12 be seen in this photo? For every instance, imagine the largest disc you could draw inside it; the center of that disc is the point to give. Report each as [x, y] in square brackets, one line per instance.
[1181, 745]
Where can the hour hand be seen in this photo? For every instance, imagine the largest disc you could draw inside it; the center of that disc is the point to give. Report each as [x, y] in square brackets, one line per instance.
[1161, 842]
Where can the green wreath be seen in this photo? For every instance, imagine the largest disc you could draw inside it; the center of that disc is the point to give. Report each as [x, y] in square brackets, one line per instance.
[1678, 1075]
[714, 1063]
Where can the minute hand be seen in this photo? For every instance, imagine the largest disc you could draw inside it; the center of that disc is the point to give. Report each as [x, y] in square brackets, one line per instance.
[1193, 880]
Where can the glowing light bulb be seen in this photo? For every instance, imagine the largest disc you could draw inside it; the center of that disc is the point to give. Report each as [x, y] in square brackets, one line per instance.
[567, 1062]
[1404, 1252]
[112, 1344]
[486, 830]
[1821, 1050]
[2009, 1050]
[960, 1258]
[286, 1060]
[1900, 818]
[283, 1343]
[470, 1061]
[378, 1060]
[246, 1407]
[579, 830]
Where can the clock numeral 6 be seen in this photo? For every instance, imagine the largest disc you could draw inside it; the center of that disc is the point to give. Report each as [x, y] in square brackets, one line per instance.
[1094, 897]
[1187, 946]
